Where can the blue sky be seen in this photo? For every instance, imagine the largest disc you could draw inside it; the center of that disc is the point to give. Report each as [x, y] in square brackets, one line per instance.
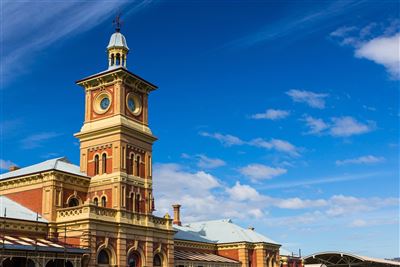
[282, 116]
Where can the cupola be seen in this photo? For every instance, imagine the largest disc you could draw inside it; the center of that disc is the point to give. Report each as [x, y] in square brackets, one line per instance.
[117, 48]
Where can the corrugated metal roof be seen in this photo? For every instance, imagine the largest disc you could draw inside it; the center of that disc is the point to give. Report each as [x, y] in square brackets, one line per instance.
[15, 210]
[37, 244]
[219, 231]
[337, 256]
[60, 164]
[199, 256]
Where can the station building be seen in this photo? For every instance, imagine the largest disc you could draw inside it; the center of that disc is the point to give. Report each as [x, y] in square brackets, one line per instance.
[100, 213]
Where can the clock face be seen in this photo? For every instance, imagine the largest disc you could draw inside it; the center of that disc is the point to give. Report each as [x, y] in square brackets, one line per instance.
[134, 104]
[105, 103]
[102, 103]
[131, 104]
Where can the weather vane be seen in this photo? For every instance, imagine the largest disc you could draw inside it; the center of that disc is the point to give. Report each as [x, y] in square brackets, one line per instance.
[117, 22]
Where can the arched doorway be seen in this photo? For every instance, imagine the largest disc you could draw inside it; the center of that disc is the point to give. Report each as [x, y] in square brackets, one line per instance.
[59, 263]
[18, 261]
[134, 259]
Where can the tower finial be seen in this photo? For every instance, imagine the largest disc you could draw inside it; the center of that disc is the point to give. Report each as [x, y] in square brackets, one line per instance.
[117, 22]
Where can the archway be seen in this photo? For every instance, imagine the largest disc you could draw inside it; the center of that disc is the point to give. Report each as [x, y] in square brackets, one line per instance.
[157, 261]
[59, 263]
[17, 262]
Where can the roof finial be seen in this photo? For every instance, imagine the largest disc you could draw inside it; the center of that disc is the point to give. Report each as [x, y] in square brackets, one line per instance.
[117, 22]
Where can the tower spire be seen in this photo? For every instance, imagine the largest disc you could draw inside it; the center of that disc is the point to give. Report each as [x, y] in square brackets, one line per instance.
[117, 22]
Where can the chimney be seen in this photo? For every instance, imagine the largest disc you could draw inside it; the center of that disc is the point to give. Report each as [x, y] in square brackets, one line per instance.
[13, 168]
[251, 228]
[177, 214]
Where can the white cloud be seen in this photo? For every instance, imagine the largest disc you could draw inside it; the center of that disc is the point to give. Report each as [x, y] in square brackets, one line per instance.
[205, 162]
[36, 140]
[314, 100]
[272, 114]
[316, 125]
[5, 164]
[338, 126]
[243, 192]
[369, 159]
[358, 223]
[275, 144]
[202, 195]
[375, 42]
[384, 51]
[260, 171]
[347, 126]
[225, 139]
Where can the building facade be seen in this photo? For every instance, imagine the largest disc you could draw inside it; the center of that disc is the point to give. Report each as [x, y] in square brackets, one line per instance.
[101, 212]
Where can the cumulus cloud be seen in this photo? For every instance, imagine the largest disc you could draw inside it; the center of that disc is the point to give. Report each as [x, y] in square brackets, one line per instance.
[5, 164]
[369, 159]
[338, 126]
[384, 51]
[260, 171]
[203, 195]
[225, 139]
[205, 162]
[243, 192]
[272, 144]
[316, 126]
[271, 114]
[377, 42]
[314, 100]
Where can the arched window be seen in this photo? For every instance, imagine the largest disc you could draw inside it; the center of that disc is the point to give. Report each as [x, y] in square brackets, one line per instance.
[96, 164]
[96, 201]
[73, 202]
[123, 60]
[112, 59]
[138, 166]
[103, 201]
[118, 60]
[103, 257]
[137, 203]
[134, 260]
[131, 202]
[131, 163]
[104, 162]
[157, 261]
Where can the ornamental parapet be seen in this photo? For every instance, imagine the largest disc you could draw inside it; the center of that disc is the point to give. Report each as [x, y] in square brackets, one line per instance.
[93, 212]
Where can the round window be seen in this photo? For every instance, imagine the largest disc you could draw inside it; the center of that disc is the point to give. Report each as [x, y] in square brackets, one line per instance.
[134, 104]
[102, 103]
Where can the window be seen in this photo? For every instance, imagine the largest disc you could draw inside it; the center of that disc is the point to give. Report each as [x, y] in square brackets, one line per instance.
[103, 201]
[138, 166]
[157, 261]
[96, 164]
[103, 257]
[112, 59]
[96, 201]
[137, 203]
[73, 202]
[134, 260]
[118, 60]
[149, 166]
[104, 162]
[131, 163]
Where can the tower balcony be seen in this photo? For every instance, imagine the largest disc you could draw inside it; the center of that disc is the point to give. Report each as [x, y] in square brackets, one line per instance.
[90, 211]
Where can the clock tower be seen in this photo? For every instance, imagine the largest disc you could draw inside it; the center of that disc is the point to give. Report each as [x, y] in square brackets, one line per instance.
[115, 139]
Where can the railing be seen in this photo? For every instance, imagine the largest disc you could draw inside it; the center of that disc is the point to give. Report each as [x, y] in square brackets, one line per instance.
[90, 211]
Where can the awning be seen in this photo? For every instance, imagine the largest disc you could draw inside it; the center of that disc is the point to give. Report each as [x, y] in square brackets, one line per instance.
[199, 256]
[38, 244]
[336, 258]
